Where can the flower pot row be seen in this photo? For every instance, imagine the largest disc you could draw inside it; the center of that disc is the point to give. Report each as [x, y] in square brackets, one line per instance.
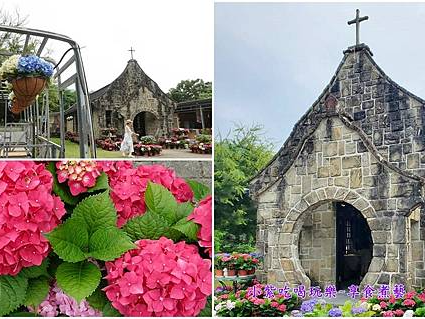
[234, 272]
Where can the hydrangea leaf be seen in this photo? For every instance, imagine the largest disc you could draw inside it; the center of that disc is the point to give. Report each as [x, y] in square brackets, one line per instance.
[109, 243]
[61, 189]
[78, 280]
[148, 226]
[184, 210]
[36, 271]
[188, 228]
[200, 191]
[101, 183]
[96, 212]
[69, 240]
[109, 311]
[160, 200]
[38, 288]
[23, 314]
[12, 293]
[207, 311]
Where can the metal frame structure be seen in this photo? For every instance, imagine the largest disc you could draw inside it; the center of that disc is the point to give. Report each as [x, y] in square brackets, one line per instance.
[32, 134]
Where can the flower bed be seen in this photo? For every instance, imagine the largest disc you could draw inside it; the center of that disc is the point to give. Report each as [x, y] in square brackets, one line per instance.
[201, 148]
[72, 136]
[141, 149]
[66, 225]
[253, 302]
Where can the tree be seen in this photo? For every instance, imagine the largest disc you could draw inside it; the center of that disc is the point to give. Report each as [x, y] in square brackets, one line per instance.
[189, 90]
[237, 159]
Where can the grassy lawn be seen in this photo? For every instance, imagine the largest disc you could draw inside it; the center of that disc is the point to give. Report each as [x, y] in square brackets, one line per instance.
[72, 150]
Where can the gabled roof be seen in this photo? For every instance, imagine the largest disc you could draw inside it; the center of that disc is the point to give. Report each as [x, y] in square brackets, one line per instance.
[308, 123]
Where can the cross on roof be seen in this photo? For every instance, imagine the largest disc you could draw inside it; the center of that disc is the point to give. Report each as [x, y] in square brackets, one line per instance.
[131, 52]
[357, 21]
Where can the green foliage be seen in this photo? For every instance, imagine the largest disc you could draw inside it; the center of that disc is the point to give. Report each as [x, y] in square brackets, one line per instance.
[12, 293]
[189, 90]
[61, 189]
[109, 244]
[420, 312]
[207, 311]
[238, 158]
[70, 241]
[78, 280]
[38, 288]
[36, 271]
[98, 301]
[90, 232]
[165, 217]
[200, 191]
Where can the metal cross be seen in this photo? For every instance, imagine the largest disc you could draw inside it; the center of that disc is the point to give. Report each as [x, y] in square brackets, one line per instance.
[131, 51]
[357, 21]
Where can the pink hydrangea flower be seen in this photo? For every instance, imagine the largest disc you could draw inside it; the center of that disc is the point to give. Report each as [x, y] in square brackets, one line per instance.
[79, 174]
[27, 210]
[128, 188]
[159, 278]
[388, 313]
[58, 303]
[409, 303]
[202, 215]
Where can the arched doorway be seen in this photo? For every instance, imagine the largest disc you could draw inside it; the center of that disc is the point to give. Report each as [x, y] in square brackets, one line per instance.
[145, 123]
[353, 245]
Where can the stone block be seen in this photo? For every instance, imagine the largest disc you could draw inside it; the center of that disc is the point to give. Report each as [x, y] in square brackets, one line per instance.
[413, 161]
[342, 181]
[356, 178]
[351, 161]
[330, 149]
[335, 166]
[323, 171]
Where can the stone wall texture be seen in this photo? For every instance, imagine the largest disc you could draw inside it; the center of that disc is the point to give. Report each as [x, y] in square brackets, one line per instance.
[131, 93]
[362, 142]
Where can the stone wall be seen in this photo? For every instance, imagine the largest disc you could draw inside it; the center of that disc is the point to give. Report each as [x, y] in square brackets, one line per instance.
[317, 245]
[200, 171]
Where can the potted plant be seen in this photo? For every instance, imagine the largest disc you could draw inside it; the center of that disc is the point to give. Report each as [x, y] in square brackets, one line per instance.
[218, 265]
[230, 264]
[27, 75]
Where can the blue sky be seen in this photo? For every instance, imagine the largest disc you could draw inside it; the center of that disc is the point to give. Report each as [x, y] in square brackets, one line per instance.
[272, 60]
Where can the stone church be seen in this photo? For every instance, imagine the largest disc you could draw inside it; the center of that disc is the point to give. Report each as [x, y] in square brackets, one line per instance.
[132, 95]
[342, 200]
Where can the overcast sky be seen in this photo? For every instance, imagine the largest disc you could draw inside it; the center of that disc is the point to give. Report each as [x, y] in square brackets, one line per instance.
[173, 39]
[272, 60]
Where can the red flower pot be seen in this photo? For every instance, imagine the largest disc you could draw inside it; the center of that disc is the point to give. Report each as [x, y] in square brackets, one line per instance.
[242, 272]
[218, 272]
[231, 272]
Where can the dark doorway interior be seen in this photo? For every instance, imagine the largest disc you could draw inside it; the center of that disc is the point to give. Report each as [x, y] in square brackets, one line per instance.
[139, 124]
[353, 246]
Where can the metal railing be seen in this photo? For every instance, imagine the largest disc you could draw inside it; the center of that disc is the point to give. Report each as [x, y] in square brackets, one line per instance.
[35, 119]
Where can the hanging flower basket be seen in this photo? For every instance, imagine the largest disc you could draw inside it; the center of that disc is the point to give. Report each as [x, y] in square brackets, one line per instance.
[28, 76]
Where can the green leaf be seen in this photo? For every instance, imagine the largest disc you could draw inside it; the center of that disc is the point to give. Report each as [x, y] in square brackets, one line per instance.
[38, 288]
[95, 212]
[97, 299]
[188, 228]
[109, 311]
[184, 210]
[23, 314]
[101, 183]
[160, 200]
[109, 243]
[12, 293]
[200, 191]
[69, 240]
[61, 189]
[207, 311]
[78, 280]
[36, 271]
[148, 226]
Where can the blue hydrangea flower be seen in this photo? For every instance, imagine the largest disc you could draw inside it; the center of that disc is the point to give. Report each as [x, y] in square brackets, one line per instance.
[357, 310]
[335, 312]
[308, 305]
[31, 64]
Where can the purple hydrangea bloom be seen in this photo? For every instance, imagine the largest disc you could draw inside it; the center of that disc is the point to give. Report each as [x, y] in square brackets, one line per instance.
[335, 312]
[308, 305]
[357, 310]
[59, 303]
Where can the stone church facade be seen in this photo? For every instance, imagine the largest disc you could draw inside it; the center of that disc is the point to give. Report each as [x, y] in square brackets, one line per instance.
[341, 202]
[133, 95]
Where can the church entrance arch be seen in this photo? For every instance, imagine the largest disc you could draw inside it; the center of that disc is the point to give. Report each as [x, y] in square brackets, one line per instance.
[353, 245]
[146, 123]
